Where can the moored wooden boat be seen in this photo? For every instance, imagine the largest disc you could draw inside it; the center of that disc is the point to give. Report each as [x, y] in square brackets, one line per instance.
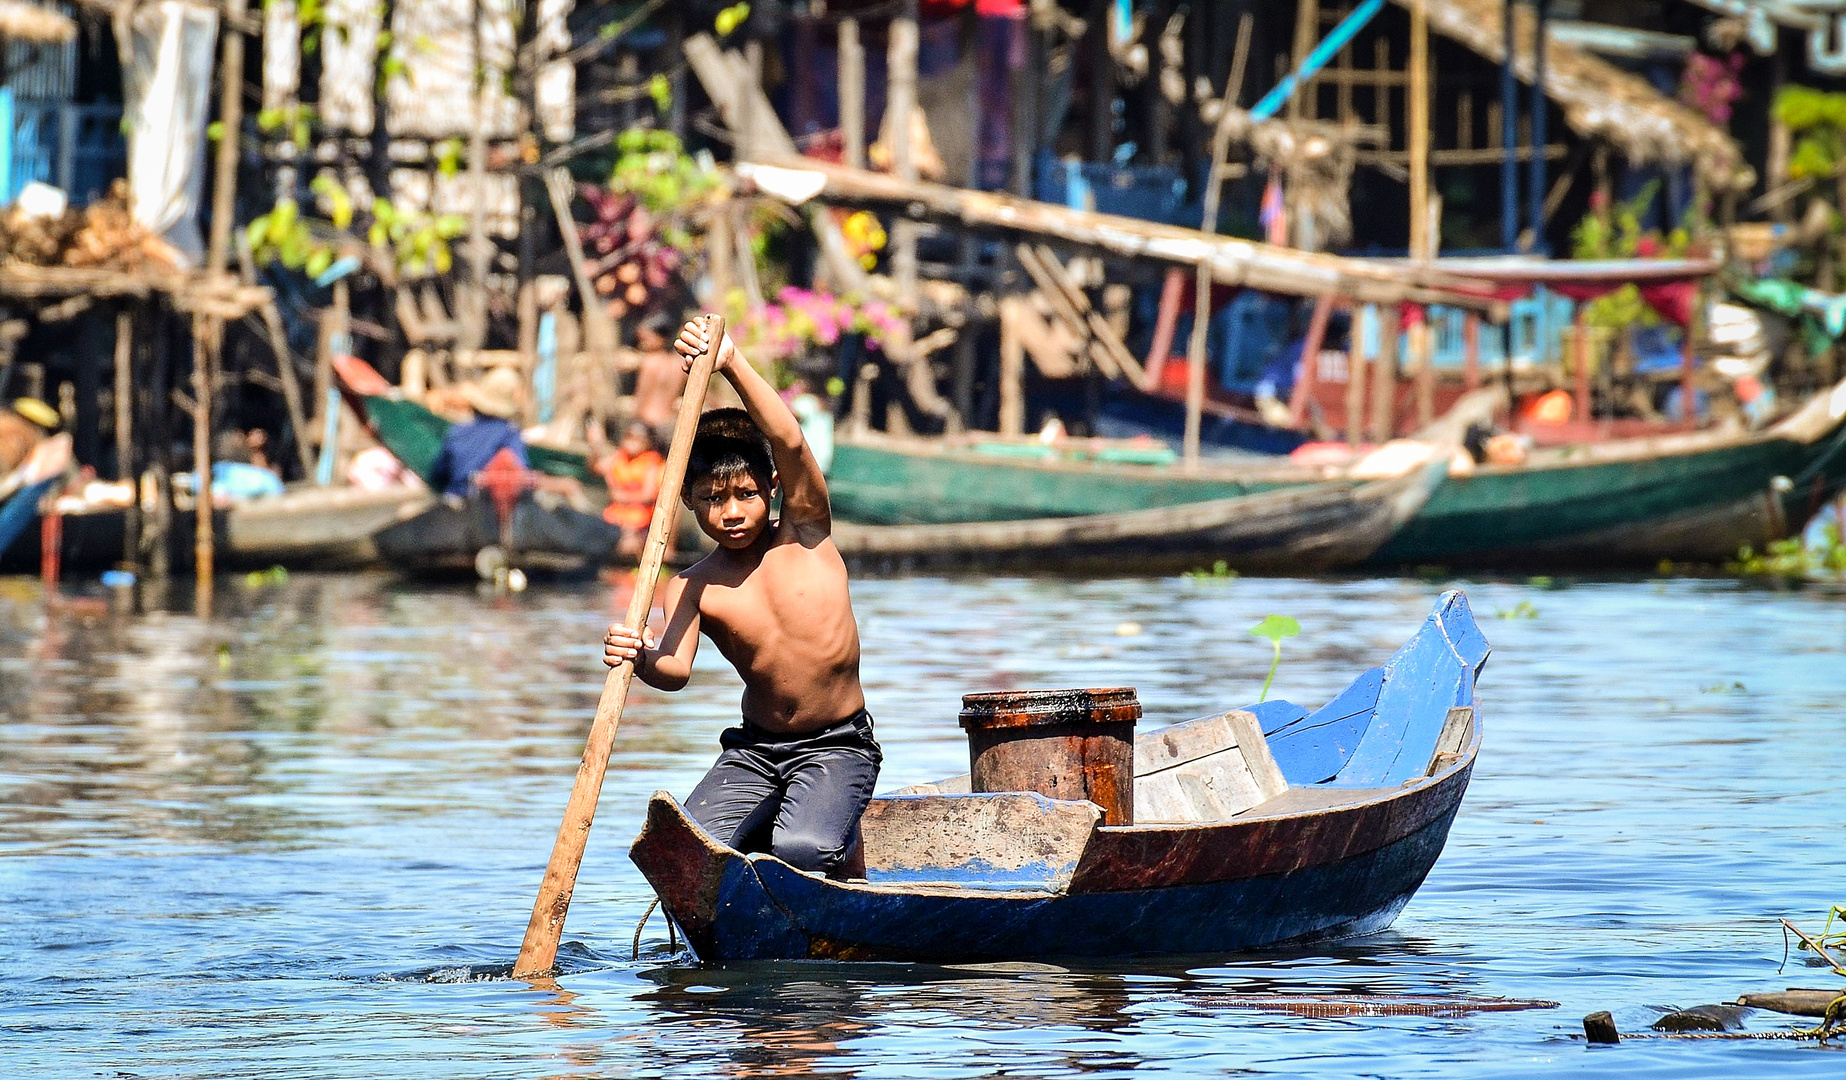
[1325, 525]
[879, 480]
[306, 527]
[1253, 828]
[454, 535]
[1695, 497]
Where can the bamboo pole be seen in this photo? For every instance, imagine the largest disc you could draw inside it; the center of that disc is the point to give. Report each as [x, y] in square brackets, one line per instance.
[231, 120]
[900, 103]
[539, 952]
[125, 431]
[1418, 102]
[124, 395]
[1201, 297]
[1471, 351]
[471, 295]
[852, 92]
[598, 327]
[1307, 31]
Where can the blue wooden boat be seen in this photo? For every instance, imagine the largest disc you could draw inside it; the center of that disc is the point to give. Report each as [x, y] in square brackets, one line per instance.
[1265, 826]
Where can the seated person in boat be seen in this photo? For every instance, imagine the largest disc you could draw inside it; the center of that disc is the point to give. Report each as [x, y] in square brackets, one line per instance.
[468, 446]
[632, 470]
[796, 775]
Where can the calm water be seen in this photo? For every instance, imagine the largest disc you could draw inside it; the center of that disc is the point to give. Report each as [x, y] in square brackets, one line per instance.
[271, 845]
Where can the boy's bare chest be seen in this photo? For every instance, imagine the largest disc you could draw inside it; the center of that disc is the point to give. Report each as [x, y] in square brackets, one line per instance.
[794, 595]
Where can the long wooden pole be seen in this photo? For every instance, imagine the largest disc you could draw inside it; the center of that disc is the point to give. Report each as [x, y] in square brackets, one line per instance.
[1419, 130]
[231, 117]
[125, 431]
[539, 953]
[1201, 306]
[852, 92]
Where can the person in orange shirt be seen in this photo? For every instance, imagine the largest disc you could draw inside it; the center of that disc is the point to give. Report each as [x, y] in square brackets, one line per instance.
[632, 470]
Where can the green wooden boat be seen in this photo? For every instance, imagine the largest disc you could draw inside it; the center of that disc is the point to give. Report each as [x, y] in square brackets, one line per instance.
[1694, 498]
[878, 480]
[413, 434]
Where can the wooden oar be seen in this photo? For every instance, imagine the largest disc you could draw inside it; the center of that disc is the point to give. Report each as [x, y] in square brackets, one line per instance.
[539, 952]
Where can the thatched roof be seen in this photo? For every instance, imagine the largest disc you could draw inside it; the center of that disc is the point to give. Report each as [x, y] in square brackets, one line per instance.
[1599, 99]
[21, 21]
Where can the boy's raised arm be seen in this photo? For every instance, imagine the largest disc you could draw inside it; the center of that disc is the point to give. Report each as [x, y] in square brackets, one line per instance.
[804, 488]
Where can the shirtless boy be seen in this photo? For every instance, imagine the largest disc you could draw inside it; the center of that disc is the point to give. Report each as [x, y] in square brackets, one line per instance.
[794, 778]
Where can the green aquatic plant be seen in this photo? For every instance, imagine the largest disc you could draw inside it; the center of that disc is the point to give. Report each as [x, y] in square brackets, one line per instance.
[1794, 558]
[1220, 571]
[1524, 609]
[1274, 628]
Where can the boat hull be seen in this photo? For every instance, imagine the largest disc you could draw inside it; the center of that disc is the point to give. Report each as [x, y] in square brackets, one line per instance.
[1326, 525]
[1698, 506]
[875, 482]
[735, 907]
[447, 537]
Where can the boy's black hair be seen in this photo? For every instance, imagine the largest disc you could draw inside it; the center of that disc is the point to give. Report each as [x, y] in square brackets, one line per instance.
[728, 445]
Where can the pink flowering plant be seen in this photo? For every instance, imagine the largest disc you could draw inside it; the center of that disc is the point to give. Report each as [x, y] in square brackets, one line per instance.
[800, 321]
[1711, 85]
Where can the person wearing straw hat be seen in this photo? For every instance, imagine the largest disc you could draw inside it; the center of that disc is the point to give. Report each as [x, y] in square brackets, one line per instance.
[471, 444]
[23, 427]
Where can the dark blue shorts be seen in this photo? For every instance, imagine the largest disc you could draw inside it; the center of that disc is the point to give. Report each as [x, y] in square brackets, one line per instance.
[797, 797]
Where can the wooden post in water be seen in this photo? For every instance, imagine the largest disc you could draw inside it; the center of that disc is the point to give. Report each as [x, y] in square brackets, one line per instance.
[125, 431]
[852, 92]
[538, 954]
[202, 463]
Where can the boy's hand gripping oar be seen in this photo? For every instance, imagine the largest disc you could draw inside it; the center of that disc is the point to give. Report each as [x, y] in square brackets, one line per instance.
[539, 953]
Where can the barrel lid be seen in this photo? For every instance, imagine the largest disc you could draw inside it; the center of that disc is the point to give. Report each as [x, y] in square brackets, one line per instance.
[1027, 708]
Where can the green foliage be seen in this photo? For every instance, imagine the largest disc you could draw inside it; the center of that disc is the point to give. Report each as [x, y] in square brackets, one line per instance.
[1817, 119]
[1274, 628]
[295, 123]
[1524, 609]
[1794, 559]
[417, 241]
[1220, 571]
[1622, 237]
[448, 154]
[660, 88]
[275, 575]
[656, 170]
[730, 19]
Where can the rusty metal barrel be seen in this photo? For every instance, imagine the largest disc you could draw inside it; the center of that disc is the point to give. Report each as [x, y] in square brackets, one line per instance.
[1065, 744]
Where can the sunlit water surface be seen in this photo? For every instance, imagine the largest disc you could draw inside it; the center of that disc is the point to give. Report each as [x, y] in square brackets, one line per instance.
[276, 844]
